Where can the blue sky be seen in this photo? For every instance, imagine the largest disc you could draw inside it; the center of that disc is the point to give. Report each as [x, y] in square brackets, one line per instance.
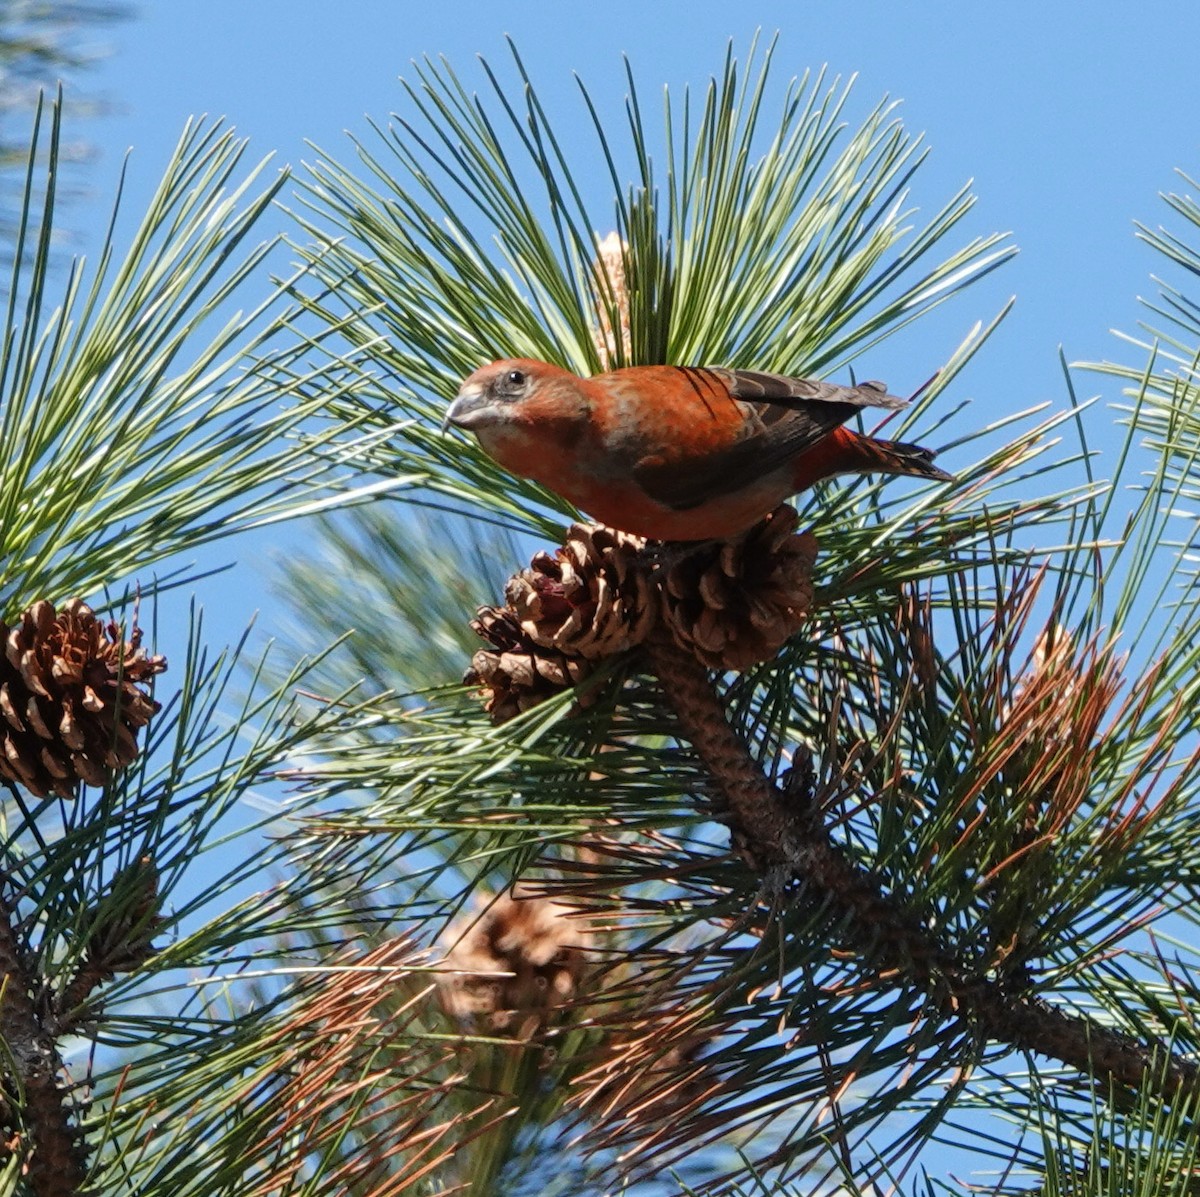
[1070, 118]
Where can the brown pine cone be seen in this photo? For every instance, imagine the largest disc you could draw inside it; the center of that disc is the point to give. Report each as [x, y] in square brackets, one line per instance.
[591, 598]
[71, 698]
[516, 674]
[734, 603]
[513, 964]
[125, 920]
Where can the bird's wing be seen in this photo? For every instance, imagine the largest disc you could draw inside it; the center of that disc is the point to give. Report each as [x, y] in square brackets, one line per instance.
[784, 418]
[796, 393]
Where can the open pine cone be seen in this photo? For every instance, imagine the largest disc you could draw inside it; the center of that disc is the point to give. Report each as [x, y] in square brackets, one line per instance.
[71, 698]
[591, 598]
[516, 673]
[734, 603]
[514, 964]
[730, 603]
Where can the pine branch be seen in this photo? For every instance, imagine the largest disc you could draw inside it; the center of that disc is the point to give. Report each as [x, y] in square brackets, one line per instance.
[1038, 832]
[788, 842]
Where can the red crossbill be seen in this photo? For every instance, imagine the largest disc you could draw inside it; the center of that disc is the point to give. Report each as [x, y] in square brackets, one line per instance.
[676, 452]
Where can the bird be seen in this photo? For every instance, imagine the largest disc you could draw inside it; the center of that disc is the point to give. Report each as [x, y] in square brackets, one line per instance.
[676, 452]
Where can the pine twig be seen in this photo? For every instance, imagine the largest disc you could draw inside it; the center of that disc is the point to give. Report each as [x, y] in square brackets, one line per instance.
[75, 1000]
[780, 838]
[54, 1163]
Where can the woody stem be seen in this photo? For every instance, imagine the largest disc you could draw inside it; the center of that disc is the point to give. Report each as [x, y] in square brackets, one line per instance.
[53, 1159]
[778, 837]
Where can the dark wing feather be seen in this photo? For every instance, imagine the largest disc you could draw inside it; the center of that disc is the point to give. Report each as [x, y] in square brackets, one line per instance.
[787, 417]
[756, 387]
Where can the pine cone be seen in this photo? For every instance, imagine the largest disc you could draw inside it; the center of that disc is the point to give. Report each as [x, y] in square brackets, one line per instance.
[125, 921]
[514, 964]
[121, 926]
[734, 603]
[517, 673]
[71, 698]
[591, 598]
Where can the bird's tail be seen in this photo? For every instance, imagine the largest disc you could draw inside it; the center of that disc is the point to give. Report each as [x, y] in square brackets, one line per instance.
[897, 457]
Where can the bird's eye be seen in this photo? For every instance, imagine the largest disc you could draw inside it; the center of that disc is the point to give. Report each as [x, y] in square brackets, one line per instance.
[515, 379]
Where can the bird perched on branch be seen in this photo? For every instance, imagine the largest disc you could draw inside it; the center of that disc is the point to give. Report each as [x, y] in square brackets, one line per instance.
[676, 452]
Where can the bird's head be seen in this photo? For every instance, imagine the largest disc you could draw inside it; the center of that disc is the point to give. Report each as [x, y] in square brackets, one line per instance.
[512, 392]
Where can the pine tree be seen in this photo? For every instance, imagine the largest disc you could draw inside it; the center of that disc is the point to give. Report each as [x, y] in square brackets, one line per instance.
[138, 422]
[778, 866]
[903, 872]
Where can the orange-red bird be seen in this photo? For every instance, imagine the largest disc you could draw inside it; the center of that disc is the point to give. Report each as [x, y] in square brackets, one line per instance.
[676, 452]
